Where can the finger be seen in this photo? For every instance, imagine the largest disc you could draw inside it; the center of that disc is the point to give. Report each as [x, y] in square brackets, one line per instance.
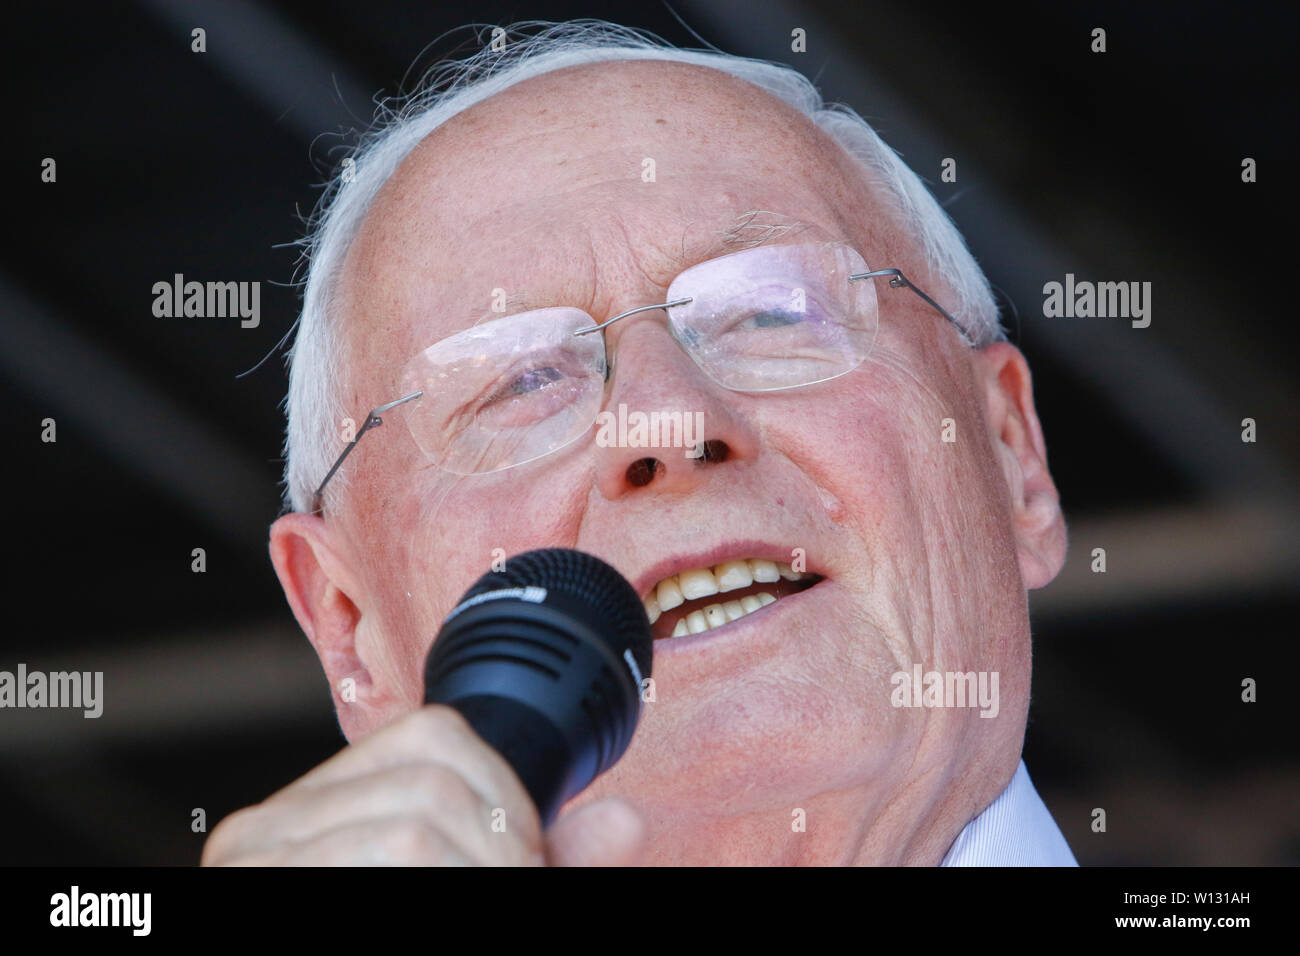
[386, 841]
[605, 833]
[431, 791]
[439, 733]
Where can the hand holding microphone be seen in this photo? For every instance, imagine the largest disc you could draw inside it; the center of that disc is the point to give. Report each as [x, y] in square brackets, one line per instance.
[551, 679]
[545, 660]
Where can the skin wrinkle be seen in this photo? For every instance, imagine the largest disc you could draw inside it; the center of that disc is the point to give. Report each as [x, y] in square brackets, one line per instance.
[892, 636]
[871, 624]
[798, 715]
[887, 359]
[644, 275]
[960, 517]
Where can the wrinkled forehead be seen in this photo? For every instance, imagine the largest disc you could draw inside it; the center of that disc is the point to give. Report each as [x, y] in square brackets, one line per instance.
[586, 185]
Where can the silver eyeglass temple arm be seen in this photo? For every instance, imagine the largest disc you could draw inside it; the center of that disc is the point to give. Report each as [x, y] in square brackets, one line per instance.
[373, 420]
[898, 280]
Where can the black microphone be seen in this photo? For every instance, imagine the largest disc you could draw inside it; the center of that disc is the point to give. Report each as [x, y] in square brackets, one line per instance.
[545, 661]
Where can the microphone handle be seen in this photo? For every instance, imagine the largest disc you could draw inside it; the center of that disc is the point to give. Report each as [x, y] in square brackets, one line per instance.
[535, 750]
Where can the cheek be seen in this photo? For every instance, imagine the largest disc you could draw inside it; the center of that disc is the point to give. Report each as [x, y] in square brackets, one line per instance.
[948, 513]
[862, 448]
[436, 543]
[901, 467]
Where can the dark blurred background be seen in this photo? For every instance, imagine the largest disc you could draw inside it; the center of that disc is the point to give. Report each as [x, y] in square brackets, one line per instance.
[1117, 166]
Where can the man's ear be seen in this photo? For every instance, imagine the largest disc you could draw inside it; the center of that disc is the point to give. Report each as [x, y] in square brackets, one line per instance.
[326, 598]
[1017, 439]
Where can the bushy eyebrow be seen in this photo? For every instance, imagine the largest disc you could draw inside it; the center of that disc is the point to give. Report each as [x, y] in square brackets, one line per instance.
[750, 229]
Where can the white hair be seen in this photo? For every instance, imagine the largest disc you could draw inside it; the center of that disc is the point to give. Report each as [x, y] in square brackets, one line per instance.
[314, 405]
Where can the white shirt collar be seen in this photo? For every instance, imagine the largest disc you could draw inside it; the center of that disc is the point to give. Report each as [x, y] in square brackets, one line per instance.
[1014, 830]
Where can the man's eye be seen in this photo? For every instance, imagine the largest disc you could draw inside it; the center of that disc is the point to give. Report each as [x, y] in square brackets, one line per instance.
[531, 381]
[774, 318]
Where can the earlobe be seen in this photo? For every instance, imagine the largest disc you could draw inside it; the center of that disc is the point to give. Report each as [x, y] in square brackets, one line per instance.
[1017, 438]
[324, 596]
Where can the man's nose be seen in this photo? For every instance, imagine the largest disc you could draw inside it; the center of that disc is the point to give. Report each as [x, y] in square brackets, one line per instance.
[665, 426]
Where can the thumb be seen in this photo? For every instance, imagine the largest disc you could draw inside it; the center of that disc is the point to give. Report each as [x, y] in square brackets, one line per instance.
[605, 833]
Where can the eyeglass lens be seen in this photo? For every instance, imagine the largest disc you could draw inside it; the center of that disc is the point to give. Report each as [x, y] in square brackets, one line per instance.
[511, 390]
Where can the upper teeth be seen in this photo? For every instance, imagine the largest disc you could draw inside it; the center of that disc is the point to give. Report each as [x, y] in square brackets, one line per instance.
[702, 582]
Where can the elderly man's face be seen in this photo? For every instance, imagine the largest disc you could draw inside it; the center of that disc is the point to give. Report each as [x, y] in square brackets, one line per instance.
[926, 546]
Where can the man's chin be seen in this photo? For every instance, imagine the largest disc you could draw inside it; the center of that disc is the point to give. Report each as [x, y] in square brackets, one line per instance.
[737, 754]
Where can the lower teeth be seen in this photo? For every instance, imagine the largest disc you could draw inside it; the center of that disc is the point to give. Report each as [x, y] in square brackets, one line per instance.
[716, 615]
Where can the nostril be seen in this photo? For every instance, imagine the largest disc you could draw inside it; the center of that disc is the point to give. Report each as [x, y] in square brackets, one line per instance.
[714, 450]
[642, 471]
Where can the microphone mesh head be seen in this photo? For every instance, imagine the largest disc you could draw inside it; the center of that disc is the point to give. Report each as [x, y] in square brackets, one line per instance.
[617, 608]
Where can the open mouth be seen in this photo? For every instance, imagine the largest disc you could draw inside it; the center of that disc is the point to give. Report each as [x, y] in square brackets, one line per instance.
[703, 599]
